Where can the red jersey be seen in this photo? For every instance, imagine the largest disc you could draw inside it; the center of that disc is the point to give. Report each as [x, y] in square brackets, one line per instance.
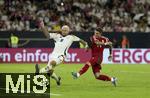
[97, 50]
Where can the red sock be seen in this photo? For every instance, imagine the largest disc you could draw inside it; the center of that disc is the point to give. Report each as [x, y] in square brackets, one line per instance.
[84, 69]
[104, 78]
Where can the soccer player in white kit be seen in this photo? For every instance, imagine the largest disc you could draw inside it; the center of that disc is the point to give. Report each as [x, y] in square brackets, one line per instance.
[62, 43]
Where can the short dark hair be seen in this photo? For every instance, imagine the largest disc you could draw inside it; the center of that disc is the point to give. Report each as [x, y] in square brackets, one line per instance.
[99, 29]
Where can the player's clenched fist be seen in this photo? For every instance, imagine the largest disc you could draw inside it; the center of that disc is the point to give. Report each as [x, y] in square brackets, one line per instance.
[40, 23]
[110, 58]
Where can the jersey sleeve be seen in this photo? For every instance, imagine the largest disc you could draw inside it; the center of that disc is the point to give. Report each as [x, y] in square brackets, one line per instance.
[75, 38]
[54, 35]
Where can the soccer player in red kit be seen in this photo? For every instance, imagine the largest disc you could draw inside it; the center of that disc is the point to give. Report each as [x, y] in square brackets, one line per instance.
[99, 42]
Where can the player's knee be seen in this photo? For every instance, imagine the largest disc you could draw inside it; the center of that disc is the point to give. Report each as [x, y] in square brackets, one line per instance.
[53, 63]
[88, 63]
[97, 75]
[48, 68]
[50, 72]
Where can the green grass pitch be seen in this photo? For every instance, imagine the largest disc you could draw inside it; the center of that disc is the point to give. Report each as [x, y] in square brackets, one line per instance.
[133, 81]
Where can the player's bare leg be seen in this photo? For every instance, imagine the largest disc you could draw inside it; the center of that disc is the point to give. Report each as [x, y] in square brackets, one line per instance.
[102, 77]
[96, 70]
[49, 69]
[52, 74]
[37, 69]
[82, 70]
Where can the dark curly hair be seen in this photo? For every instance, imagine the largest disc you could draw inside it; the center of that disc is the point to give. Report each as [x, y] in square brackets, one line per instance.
[99, 29]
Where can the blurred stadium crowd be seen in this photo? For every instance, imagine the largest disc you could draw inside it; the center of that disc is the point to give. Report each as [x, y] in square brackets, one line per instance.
[80, 15]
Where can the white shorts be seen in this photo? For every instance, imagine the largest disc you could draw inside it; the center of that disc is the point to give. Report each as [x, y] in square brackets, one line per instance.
[57, 59]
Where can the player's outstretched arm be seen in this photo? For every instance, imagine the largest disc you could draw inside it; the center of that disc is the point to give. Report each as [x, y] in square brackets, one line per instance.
[108, 43]
[44, 29]
[102, 43]
[84, 43]
[99, 43]
[110, 51]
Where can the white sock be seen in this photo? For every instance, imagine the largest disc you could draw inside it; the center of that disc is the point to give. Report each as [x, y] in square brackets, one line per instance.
[112, 79]
[78, 75]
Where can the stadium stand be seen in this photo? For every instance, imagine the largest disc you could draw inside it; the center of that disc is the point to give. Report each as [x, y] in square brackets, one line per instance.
[81, 15]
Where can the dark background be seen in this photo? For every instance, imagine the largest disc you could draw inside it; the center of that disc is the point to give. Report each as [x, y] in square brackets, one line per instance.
[37, 38]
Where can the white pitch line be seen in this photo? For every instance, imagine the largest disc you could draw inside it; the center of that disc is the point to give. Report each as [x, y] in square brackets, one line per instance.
[142, 72]
[51, 94]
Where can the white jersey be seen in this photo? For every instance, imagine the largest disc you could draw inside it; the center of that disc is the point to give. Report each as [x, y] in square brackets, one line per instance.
[62, 44]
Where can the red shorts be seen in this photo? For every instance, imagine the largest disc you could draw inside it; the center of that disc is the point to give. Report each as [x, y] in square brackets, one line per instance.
[96, 68]
[96, 64]
[96, 60]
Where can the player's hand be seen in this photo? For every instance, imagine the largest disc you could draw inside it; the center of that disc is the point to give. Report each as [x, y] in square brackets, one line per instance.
[40, 23]
[108, 43]
[110, 58]
[86, 47]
